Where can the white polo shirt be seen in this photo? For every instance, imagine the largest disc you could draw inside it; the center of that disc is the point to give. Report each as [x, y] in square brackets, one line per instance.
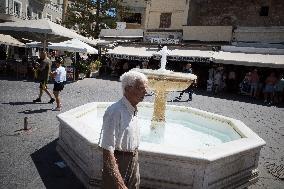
[120, 130]
[60, 74]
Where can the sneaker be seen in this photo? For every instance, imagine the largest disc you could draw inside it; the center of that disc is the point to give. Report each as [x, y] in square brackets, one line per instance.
[37, 100]
[51, 101]
[56, 109]
[190, 99]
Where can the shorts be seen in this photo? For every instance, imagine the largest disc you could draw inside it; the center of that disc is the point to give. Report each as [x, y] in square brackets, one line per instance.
[58, 86]
[268, 89]
[43, 84]
[253, 86]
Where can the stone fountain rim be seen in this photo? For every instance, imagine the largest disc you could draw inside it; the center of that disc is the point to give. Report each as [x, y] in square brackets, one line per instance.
[249, 141]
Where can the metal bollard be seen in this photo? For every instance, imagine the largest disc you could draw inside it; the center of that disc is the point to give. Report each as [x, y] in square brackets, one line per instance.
[25, 123]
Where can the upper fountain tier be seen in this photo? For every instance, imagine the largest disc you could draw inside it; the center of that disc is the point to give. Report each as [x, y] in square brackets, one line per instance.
[167, 80]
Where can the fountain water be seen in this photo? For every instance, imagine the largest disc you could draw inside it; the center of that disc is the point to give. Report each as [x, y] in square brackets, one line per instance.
[193, 148]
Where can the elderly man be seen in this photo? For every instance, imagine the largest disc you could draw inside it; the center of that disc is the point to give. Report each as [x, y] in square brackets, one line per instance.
[120, 139]
[44, 71]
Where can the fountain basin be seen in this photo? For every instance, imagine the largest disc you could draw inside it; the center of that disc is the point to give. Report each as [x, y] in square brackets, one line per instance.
[166, 80]
[162, 81]
[223, 152]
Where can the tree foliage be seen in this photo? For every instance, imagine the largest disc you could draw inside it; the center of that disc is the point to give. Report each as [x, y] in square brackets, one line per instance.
[90, 16]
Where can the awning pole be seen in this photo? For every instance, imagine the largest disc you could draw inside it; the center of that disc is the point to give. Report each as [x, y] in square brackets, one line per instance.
[44, 42]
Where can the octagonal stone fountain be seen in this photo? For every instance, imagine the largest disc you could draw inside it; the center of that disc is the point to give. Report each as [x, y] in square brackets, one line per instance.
[181, 147]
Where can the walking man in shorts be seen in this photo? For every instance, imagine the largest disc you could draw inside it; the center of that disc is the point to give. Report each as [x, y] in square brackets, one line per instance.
[59, 78]
[44, 70]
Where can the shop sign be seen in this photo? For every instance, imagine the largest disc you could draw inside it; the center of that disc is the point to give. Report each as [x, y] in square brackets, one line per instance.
[186, 59]
[164, 40]
[127, 57]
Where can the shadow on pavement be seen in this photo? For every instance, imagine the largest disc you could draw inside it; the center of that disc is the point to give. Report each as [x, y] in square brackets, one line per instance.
[14, 78]
[110, 78]
[35, 111]
[22, 103]
[52, 175]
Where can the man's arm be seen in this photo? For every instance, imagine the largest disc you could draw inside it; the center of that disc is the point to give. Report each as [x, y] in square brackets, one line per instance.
[112, 167]
[53, 74]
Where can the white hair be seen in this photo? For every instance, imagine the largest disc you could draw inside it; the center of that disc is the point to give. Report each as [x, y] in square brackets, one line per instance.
[131, 77]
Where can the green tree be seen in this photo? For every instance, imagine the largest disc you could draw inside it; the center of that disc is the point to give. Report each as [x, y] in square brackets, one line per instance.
[90, 16]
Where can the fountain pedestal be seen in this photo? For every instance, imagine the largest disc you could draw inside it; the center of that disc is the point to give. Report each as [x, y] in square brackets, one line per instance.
[162, 83]
[160, 106]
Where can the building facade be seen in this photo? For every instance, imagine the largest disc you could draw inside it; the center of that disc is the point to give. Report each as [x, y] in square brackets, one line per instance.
[135, 19]
[260, 13]
[209, 20]
[14, 10]
[165, 19]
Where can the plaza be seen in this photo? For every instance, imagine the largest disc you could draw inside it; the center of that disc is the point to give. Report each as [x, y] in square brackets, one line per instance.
[29, 158]
[226, 57]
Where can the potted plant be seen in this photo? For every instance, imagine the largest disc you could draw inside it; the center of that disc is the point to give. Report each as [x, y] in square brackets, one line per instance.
[94, 68]
[81, 68]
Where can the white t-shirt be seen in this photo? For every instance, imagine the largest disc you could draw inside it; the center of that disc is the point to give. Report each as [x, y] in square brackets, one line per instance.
[60, 74]
[120, 130]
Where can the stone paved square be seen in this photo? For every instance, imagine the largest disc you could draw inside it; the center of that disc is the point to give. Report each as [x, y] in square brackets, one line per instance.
[27, 158]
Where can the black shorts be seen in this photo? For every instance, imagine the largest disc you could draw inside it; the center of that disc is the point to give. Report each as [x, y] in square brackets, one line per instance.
[58, 86]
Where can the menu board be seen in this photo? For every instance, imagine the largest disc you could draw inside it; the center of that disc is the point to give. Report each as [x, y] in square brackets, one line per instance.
[70, 73]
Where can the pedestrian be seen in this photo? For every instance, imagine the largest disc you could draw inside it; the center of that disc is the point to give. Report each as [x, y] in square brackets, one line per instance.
[254, 83]
[231, 82]
[120, 135]
[217, 81]
[279, 90]
[43, 71]
[245, 84]
[59, 76]
[188, 90]
[269, 88]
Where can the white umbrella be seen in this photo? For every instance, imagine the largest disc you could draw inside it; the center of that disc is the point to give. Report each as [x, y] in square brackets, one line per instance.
[73, 45]
[40, 30]
[9, 40]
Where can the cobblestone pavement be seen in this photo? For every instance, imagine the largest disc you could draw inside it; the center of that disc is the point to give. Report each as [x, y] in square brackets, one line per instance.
[27, 159]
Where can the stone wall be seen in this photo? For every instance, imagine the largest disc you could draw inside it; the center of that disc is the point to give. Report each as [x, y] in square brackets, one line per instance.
[207, 33]
[178, 8]
[236, 13]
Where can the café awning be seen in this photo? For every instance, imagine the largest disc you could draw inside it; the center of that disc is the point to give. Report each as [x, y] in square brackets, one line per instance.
[245, 59]
[131, 53]
[187, 55]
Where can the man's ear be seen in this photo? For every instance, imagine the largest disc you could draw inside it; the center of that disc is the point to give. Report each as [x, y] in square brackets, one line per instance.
[126, 89]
